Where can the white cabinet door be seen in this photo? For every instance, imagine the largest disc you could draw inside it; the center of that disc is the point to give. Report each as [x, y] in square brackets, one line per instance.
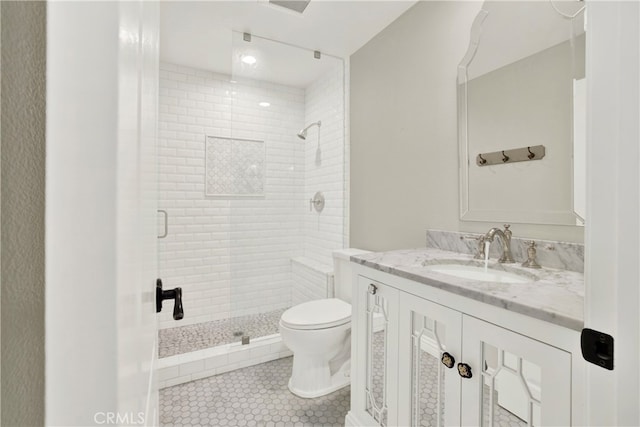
[375, 357]
[515, 380]
[429, 348]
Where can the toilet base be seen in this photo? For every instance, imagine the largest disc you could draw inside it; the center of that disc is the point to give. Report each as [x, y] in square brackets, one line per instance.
[340, 379]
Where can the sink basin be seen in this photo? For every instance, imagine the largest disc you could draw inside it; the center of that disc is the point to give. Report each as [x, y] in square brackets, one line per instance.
[473, 272]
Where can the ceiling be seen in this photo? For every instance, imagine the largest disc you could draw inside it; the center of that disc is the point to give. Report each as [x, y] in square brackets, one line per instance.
[200, 34]
[516, 30]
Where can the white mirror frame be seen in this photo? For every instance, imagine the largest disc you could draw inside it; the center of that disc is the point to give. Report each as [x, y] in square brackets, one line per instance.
[556, 217]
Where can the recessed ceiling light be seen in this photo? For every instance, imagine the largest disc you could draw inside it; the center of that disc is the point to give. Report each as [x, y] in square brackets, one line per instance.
[249, 60]
[264, 104]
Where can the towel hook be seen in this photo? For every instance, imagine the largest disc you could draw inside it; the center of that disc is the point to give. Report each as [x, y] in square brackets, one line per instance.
[505, 158]
[531, 154]
[481, 160]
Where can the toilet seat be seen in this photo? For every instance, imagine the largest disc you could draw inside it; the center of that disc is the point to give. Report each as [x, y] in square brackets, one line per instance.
[318, 314]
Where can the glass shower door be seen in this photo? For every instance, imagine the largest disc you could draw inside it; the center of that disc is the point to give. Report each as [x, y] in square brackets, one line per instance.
[276, 90]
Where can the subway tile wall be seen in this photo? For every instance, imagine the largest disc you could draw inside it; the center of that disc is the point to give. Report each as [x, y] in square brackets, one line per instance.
[267, 232]
[228, 255]
[232, 256]
[310, 280]
[324, 166]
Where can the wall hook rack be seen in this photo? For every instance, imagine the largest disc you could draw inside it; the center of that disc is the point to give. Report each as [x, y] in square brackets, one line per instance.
[503, 157]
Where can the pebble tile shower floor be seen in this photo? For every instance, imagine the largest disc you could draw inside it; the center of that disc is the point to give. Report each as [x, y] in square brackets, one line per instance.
[185, 339]
[254, 396]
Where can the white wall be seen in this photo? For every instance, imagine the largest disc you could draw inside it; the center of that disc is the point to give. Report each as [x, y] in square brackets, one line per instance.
[404, 147]
[228, 254]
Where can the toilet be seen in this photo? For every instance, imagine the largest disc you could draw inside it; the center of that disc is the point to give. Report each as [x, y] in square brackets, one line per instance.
[318, 333]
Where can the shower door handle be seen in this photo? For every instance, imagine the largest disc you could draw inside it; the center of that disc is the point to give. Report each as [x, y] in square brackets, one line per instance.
[166, 223]
[174, 294]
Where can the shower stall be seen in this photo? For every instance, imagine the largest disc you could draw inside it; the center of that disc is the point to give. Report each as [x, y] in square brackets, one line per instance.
[242, 151]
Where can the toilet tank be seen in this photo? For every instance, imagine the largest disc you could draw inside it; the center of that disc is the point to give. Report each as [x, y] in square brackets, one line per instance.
[342, 272]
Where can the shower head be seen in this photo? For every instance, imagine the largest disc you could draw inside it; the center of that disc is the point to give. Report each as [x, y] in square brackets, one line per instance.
[303, 133]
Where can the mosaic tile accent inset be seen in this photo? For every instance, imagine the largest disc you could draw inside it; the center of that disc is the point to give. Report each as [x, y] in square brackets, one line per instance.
[235, 167]
[185, 339]
[254, 396]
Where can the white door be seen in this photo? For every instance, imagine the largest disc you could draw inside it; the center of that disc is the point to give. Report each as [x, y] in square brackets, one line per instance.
[612, 234]
[102, 65]
[137, 212]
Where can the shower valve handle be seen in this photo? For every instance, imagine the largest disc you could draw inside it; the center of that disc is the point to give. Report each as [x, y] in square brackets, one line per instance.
[317, 202]
[174, 294]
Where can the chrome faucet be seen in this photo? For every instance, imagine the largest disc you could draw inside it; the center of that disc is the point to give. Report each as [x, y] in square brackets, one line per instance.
[505, 239]
[480, 248]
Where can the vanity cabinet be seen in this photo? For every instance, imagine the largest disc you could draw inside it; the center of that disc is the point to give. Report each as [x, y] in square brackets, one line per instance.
[409, 354]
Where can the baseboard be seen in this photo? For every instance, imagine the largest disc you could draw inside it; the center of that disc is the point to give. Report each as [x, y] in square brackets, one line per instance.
[351, 420]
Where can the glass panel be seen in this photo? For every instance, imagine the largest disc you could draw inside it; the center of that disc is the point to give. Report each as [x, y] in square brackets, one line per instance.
[511, 389]
[376, 388]
[235, 182]
[275, 90]
[428, 373]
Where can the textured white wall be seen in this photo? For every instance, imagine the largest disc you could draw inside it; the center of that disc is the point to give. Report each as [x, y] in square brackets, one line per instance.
[0, 217]
[230, 255]
[23, 91]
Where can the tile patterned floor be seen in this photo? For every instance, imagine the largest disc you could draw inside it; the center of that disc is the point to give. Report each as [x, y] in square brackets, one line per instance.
[254, 396]
[185, 339]
[258, 396]
[428, 394]
[501, 417]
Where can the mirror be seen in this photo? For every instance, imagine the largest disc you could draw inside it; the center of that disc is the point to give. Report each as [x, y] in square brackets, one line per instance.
[521, 85]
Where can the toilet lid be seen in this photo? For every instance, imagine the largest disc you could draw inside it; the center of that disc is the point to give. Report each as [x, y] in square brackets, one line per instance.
[319, 314]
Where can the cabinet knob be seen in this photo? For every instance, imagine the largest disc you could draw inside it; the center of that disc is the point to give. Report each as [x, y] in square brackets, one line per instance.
[464, 370]
[372, 289]
[448, 360]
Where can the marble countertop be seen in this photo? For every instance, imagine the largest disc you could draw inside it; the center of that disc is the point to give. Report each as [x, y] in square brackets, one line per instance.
[555, 296]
